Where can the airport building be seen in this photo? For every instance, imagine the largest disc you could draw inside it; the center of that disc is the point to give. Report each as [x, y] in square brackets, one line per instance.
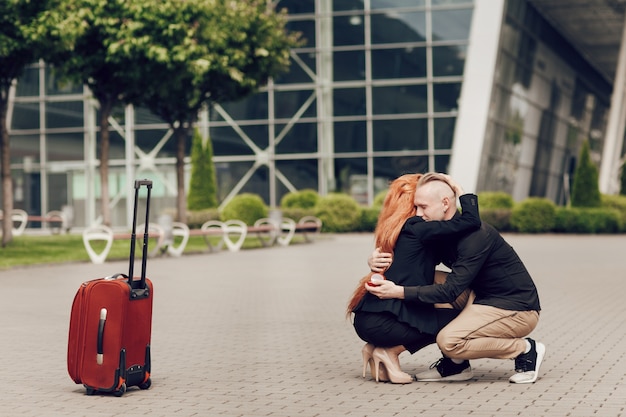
[501, 94]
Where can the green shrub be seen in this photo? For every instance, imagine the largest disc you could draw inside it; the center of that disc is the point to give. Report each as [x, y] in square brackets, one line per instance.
[339, 213]
[369, 218]
[617, 202]
[570, 220]
[246, 207]
[379, 198]
[500, 218]
[301, 199]
[585, 188]
[605, 220]
[534, 215]
[296, 213]
[196, 218]
[495, 200]
[587, 220]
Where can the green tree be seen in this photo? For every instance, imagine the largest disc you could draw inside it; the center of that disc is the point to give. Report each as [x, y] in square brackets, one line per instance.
[90, 31]
[20, 45]
[203, 183]
[585, 188]
[199, 52]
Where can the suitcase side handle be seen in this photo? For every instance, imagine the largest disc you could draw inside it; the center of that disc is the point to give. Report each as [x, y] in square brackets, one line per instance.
[100, 348]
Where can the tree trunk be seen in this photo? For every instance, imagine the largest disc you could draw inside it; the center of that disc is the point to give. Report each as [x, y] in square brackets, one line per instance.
[106, 106]
[181, 133]
[5, 162]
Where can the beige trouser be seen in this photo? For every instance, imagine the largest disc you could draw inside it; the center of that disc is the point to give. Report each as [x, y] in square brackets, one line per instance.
[486, 332]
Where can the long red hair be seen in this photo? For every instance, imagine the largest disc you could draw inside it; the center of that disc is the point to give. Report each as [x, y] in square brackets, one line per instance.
[397, 207]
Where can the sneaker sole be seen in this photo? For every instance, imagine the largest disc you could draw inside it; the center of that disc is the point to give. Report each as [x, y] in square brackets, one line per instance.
[463, 376]
[541, 352]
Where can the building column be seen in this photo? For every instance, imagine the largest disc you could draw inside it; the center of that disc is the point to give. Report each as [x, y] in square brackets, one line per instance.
[476, 92]
[129, 143]
[611, 154]
[90, 157]
[325, 134]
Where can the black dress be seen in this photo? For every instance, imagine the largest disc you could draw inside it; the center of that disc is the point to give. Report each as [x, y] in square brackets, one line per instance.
[414, 262]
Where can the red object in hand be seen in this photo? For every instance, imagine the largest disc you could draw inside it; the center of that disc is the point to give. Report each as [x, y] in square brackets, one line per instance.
[373, 280]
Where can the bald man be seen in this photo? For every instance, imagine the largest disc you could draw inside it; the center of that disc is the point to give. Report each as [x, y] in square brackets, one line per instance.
[506, 307]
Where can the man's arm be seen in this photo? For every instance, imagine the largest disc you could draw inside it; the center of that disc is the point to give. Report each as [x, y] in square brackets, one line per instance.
[473, 251]
[433, 230]
[468, 221]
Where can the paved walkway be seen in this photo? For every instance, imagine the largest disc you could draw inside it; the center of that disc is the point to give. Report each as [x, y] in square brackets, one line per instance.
[262, 333]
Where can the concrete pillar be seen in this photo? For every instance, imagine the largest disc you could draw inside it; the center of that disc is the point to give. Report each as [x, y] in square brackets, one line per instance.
[614, 138]
[129, 148]
[476, 92]
[326, 139]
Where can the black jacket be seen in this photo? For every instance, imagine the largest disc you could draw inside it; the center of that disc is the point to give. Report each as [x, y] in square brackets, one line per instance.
[486, 263]
[414, 262]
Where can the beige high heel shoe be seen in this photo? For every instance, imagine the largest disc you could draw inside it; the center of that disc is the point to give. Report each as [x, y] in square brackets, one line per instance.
[395, 374]
[367, 359]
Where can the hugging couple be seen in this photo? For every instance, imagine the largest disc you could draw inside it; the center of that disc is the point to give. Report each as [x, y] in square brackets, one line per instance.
[485, 307]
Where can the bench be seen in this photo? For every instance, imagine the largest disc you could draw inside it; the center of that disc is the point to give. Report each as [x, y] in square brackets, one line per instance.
[55, 219]
[232, 234]
[102, 233]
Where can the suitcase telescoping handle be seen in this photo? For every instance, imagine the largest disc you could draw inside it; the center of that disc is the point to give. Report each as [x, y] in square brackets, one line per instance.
[139, 289]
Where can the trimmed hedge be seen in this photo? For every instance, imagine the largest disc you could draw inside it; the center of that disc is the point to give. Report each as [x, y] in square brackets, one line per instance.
[495, 200]
[379, 198]
[306, 198]
[616, 202]
[296, 213]
[500, 218]
[339, 213]
[196, 218]
[587, 220]
[534, 215]
[369, 218]
[246, 207]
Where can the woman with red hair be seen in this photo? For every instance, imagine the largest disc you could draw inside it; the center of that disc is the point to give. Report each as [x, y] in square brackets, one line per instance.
[391, 326]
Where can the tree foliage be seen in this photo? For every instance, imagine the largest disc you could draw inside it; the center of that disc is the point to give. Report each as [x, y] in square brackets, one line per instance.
[203, 182]
[585, 188]
[21, 43]
[88, 32]
[198, 52]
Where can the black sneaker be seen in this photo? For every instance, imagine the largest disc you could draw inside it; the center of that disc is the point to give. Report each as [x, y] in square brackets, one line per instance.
[446, 370]
[527, 364]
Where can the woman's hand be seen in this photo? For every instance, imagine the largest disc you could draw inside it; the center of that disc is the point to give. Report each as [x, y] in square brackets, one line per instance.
[386, 290]
[379, 261]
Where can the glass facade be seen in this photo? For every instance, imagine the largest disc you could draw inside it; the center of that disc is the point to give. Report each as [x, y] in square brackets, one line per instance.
[371, 94]
[385, 82]
[547, 100]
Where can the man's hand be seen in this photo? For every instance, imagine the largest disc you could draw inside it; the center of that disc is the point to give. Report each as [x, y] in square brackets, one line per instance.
[379, 261]
[386, 290]
[456, 187]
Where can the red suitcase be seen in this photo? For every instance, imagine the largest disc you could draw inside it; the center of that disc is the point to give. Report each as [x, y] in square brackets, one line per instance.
[111, 324]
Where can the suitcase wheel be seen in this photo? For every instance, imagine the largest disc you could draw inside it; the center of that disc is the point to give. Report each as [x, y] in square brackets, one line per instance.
[89, 391]
[146, 385]
[120, 391]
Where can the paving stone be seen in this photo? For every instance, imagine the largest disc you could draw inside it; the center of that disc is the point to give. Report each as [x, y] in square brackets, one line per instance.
[263, 333]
